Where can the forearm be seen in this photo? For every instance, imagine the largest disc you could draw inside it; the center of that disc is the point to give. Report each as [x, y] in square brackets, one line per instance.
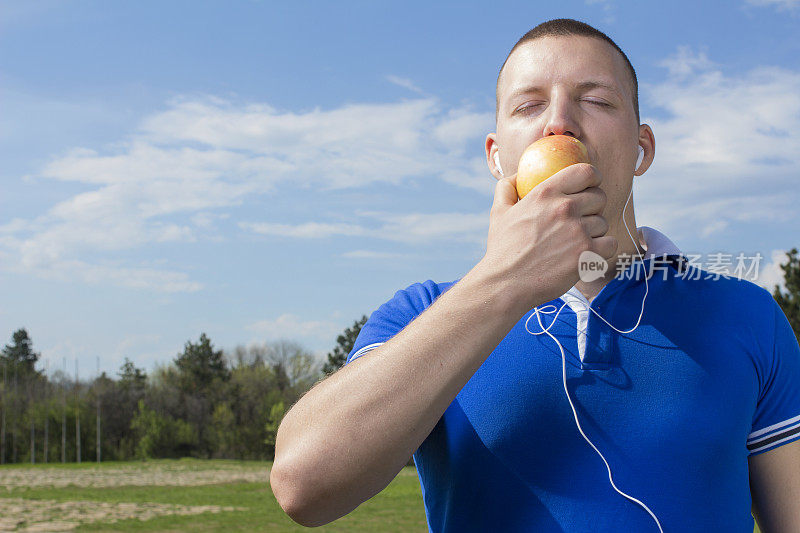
[348, 437]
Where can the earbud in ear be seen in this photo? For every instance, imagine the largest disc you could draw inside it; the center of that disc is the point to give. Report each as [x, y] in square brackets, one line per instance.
[497, 164]
[639, 159]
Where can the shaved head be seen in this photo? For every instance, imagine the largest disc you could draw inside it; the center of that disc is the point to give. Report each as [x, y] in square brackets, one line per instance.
[563, 28]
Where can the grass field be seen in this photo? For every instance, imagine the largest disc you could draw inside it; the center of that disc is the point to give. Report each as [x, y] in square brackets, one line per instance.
[182, 495]
[39, 498]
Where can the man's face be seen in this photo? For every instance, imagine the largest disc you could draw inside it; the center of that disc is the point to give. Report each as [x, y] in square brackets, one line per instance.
[577, 86]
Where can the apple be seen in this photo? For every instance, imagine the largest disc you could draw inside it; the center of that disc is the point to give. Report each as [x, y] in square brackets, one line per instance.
[545, 157]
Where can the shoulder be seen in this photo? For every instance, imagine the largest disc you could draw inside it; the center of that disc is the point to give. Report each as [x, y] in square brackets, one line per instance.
[733, 293]
[416, 297]
[732, 308]
[395, 314]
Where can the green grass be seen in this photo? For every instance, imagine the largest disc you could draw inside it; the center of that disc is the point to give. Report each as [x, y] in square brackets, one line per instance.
[398, 508]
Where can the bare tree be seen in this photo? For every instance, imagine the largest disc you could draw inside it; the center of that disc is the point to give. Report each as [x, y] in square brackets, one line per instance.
[292, 362]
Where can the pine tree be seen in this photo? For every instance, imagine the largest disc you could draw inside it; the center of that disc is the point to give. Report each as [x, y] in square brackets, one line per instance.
[344, 345]
[790, 301]
[199, 365]
[19, 355]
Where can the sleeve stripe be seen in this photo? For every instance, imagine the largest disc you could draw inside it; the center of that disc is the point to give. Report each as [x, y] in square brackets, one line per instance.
[775, 441]
[773, 427]
[771, 435]
[364, 350]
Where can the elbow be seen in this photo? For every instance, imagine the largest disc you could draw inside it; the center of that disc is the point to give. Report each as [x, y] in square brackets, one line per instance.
[293, 498]
[285, 488]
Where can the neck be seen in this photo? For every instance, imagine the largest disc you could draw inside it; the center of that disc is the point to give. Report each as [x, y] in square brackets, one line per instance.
[625, 247]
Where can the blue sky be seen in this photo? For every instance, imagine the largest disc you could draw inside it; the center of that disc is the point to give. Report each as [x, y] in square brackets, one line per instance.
[266, 170]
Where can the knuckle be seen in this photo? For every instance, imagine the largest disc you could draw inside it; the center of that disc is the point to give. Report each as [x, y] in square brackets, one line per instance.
[543, 190]
[579, 233]
[586, 172]
[585, 241]
[565, 208]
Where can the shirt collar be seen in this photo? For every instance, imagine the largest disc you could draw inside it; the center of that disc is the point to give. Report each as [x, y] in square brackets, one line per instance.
[654, 243]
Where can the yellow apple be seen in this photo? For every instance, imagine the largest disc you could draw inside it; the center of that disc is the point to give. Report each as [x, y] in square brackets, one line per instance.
[545, 157]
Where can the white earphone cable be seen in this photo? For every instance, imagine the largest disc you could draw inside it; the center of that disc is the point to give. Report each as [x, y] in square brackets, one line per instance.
[537, 313]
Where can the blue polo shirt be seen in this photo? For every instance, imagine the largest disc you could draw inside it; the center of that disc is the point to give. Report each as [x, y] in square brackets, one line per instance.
[710, 376]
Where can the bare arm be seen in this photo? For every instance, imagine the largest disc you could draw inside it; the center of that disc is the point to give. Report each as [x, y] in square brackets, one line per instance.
[349, 436]
[775, 488]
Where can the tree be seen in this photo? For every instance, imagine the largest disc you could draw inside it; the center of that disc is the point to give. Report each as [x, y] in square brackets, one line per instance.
[253, 390]
[161, 436]
[199, 365]
[202, 377]
[275, 416]
[224, 432]
[790, 302]
[131, 377]
[344, 345]
[19, 355]
[119, 403]
[295, 368]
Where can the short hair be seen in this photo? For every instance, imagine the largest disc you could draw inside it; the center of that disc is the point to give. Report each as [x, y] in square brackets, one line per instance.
[564, 28]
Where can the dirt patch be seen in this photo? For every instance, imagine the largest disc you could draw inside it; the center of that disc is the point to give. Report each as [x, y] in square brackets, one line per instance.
[131, 475]
[17, 514]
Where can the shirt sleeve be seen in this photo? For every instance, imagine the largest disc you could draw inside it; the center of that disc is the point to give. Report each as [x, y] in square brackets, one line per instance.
[390, 318]
[777, 416]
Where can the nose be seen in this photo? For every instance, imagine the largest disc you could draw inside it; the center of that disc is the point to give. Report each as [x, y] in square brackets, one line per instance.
[560, 118]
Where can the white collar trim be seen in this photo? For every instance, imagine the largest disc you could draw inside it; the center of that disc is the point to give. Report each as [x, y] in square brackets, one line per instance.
[654, 243]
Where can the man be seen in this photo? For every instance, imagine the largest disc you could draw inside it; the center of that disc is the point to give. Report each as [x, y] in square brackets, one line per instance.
[693, 401]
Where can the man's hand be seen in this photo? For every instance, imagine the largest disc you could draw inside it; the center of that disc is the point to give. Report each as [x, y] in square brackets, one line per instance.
[537, 240]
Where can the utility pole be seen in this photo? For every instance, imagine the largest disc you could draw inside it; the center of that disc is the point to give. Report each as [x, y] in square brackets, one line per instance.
[77, 417]
[30, 415]
[64, 412]
[14, 425]
[47, 406]
[3, 428]
[98, 408]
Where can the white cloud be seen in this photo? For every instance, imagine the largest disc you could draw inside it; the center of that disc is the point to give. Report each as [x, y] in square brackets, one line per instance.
[203, 154]
[781, 5]
[608, 7]
[291, 326]
[308, 230]
[370, 254]
[727, 150]
[410, 228]
[686, 62]
[404, 82]
[50, 266]
[771, 274]
[206, 220]
[709, 217]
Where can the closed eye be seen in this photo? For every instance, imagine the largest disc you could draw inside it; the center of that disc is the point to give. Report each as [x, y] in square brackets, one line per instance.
[529, 108]
[597, 101]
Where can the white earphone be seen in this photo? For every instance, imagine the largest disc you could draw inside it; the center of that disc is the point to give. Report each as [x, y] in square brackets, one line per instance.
[497, 163]
[639, 159]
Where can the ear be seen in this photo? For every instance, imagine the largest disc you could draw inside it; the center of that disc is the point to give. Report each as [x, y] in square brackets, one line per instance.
[491, 149]
[648, 143]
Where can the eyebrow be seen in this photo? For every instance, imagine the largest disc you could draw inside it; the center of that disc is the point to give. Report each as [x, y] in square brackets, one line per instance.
[582, 86]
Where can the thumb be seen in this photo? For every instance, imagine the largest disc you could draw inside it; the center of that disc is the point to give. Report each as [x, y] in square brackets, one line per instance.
[505, 195]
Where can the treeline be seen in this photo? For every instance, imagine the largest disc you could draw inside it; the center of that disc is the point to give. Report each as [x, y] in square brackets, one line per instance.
[205, 403]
